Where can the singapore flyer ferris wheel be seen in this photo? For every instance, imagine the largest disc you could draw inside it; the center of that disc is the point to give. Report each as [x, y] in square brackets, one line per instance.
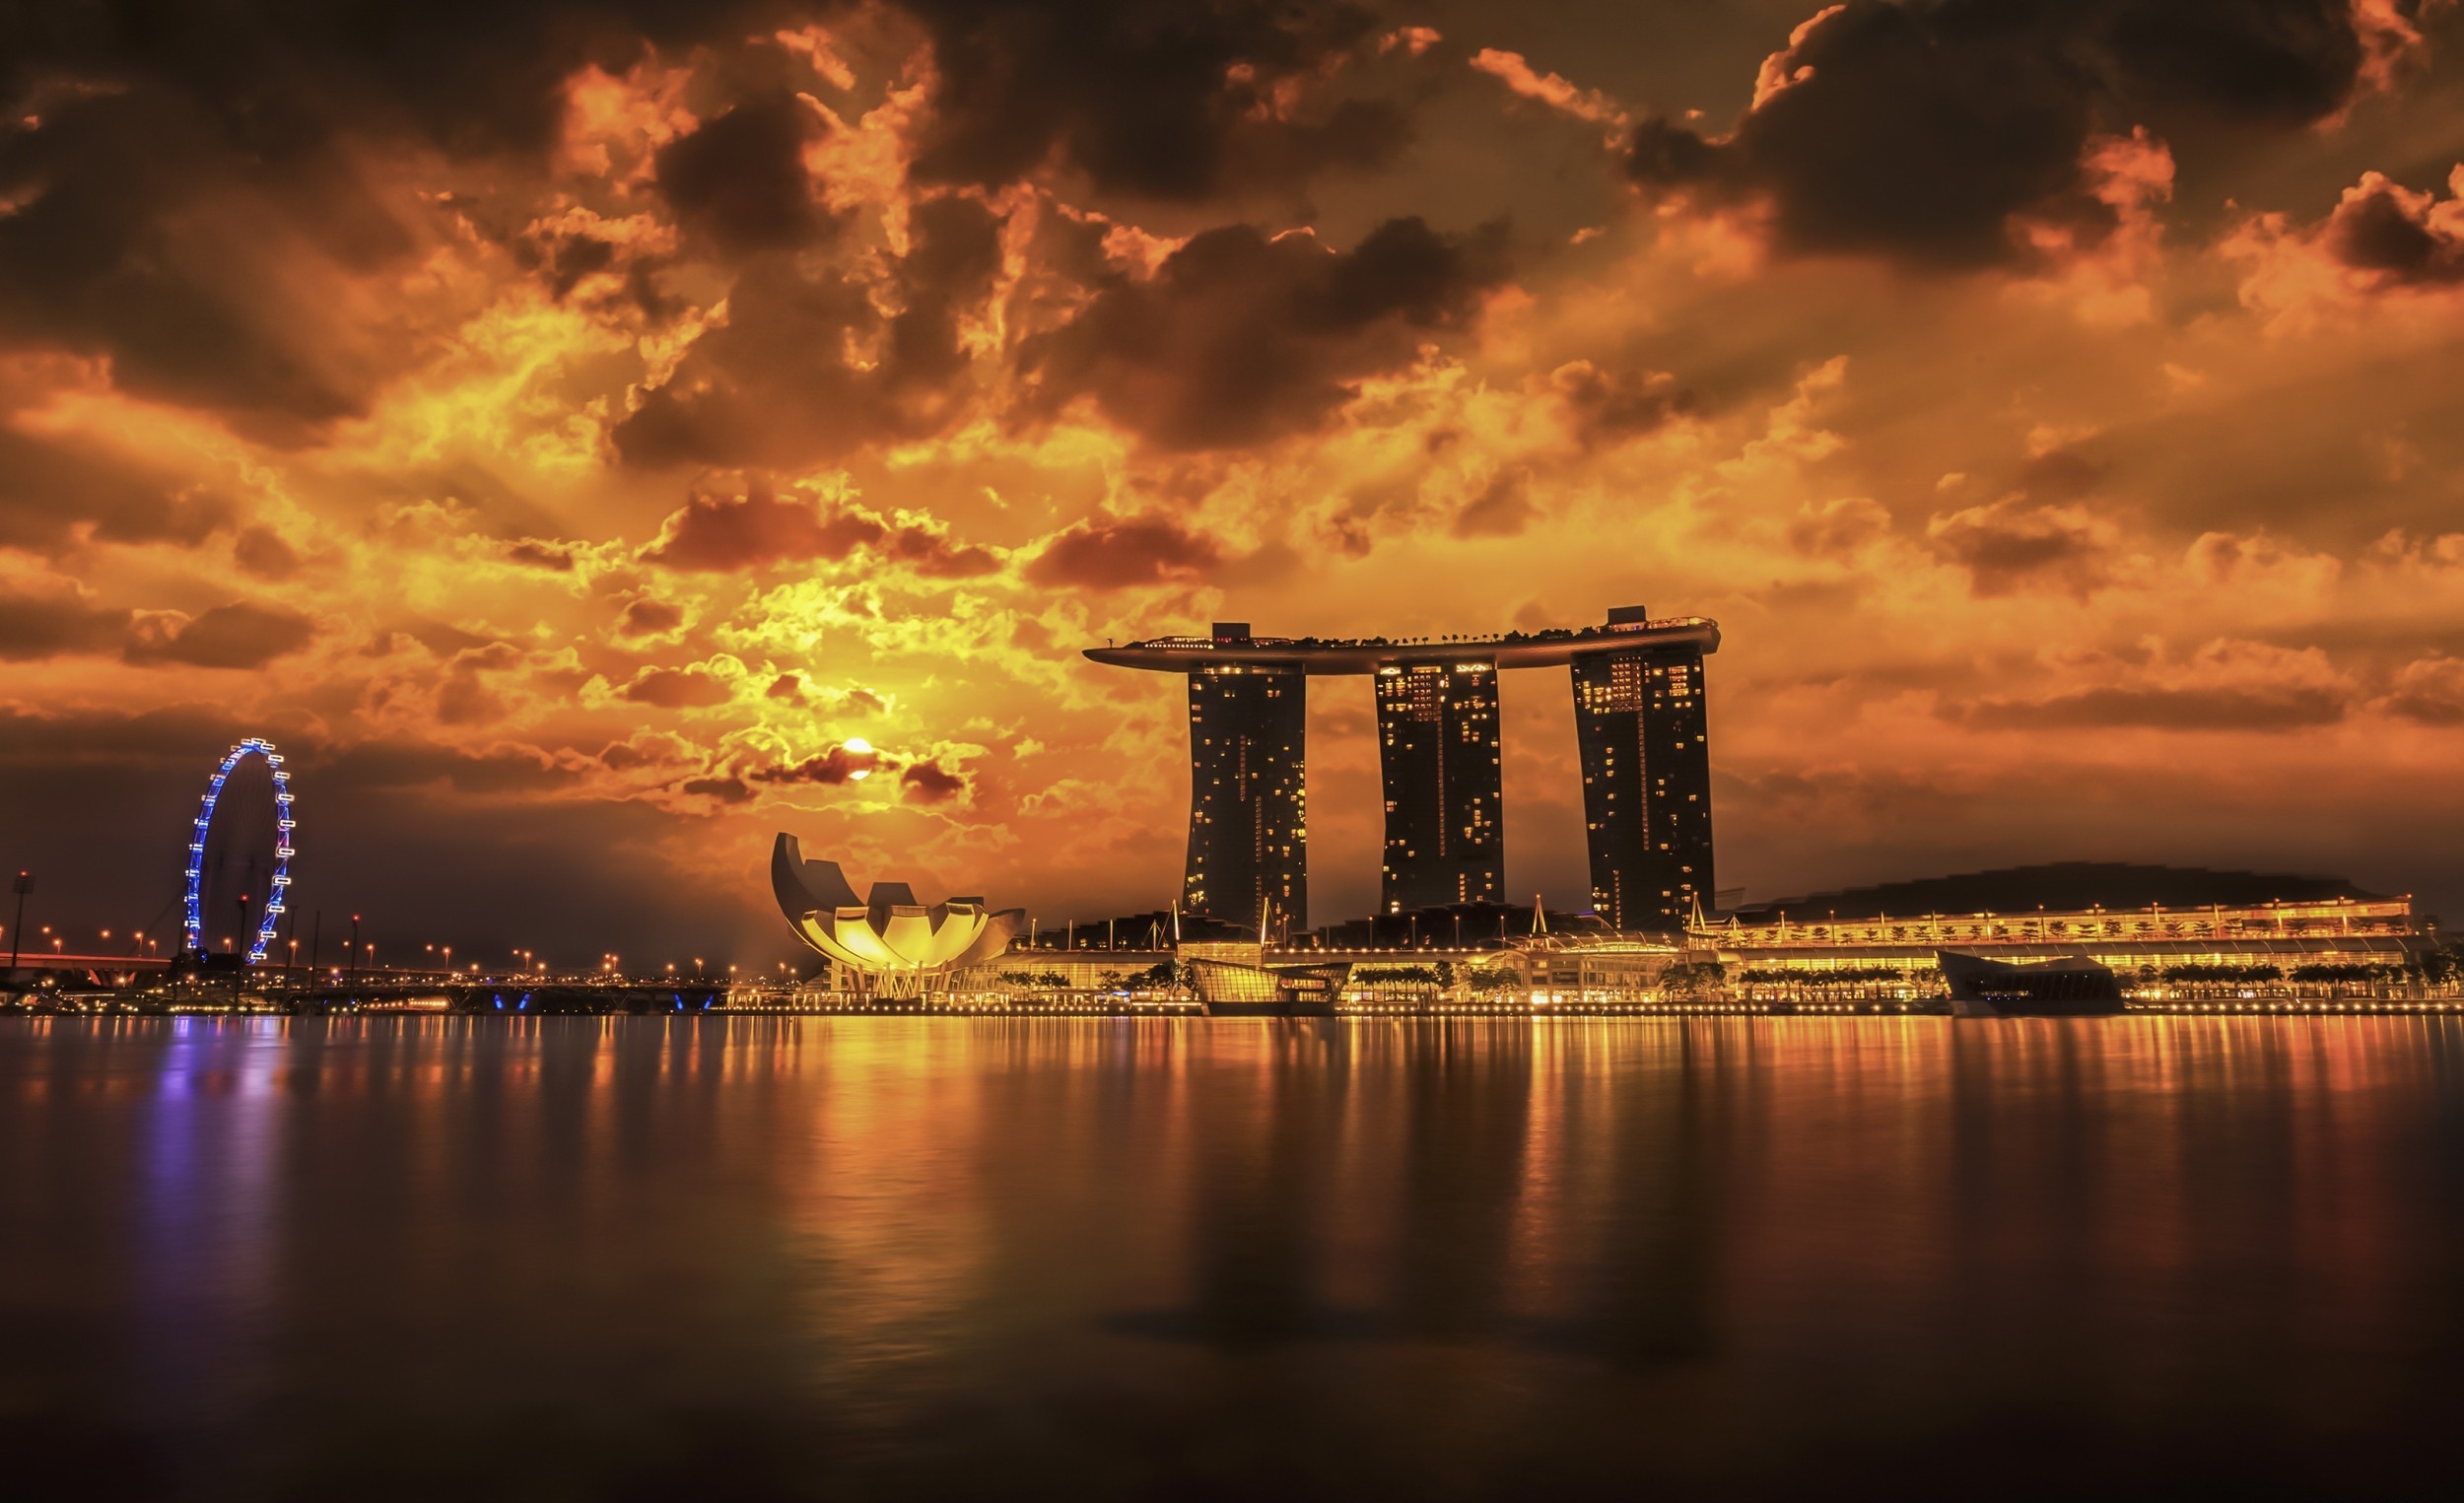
[239, 850]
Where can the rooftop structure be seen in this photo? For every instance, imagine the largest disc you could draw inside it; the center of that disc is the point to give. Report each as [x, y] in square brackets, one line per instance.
[1627, 627]
[2065, 885]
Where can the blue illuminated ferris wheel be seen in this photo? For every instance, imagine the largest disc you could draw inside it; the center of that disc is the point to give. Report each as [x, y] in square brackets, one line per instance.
[276, 889]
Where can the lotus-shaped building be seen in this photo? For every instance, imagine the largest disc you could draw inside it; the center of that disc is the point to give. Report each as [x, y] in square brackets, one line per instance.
[892, 947]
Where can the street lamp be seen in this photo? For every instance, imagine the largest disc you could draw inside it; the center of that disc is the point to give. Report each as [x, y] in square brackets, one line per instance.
[24, 885]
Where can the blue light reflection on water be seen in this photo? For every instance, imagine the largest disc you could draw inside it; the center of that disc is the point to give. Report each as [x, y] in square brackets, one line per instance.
[863, 1257]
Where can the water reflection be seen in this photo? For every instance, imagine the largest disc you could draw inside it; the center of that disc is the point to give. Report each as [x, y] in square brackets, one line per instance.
[845, 1256]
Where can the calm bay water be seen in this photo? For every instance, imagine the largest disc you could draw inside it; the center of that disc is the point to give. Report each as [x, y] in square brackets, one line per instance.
[924, 1257]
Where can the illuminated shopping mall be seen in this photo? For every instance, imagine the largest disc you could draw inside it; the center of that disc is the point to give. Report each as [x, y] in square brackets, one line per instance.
[2320, 950]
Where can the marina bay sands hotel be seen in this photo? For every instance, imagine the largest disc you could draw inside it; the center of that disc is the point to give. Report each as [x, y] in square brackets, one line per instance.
[1639, 723]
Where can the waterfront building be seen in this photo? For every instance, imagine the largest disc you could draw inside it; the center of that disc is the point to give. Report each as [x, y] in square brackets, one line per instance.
[1591, 969]
[1641, 731]
[1638, 686]
[1248, 828]
[1439, 761]
[885, 945]
[2286, 950]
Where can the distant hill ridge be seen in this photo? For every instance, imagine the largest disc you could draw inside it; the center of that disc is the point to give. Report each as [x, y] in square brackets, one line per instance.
[2058, 885]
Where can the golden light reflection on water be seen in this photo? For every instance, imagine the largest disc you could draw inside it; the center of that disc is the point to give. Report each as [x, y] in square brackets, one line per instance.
[1436, 1241]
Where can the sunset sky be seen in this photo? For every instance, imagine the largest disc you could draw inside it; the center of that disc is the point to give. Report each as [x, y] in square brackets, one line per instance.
[562, 428]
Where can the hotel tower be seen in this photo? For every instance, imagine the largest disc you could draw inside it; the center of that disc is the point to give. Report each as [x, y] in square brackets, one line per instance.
[1640, 728]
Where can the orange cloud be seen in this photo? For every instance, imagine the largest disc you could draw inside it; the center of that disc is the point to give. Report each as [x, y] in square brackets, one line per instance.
[1519, 76]
[574, 449]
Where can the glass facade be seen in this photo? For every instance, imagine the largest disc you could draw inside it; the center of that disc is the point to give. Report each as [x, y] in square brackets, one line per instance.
[1640, 725]
[1249, 834]
[1445, 812]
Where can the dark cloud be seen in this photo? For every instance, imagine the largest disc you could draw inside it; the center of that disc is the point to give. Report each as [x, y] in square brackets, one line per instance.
[647, 617]
[933, 553]
[834, 767]
[1917, 131]
[2429, 691]
[1503, 509]
[1838, 527]
[56, 495]
[1116, 553]
[777, 385]
[464, 699]
[34, 628]
[740, 179]
[568, 257]
[2191, 709]
[199, 174]
[235, 636]
[2065, 472]
[288, 77]
[2282, 63]
[714, 533]
[947, 271]
[772, 387]
[261, 550]
[1241, 337]
[925, 782]
[342, 773]
[726, 789]
[1171, 101]
[2009, 545]
[1604, 407]
[541, 555]
[126, 243]
[676, 689]
[2382, 228]
[443, 639]
[178, 146]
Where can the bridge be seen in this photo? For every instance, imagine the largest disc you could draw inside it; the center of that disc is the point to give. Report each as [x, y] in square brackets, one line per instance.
[269, 990]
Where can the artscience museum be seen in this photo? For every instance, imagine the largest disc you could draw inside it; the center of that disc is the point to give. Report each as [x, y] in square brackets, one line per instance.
[888, 946]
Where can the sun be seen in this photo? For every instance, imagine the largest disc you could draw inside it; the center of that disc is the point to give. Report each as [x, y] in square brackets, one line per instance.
[858, 746]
